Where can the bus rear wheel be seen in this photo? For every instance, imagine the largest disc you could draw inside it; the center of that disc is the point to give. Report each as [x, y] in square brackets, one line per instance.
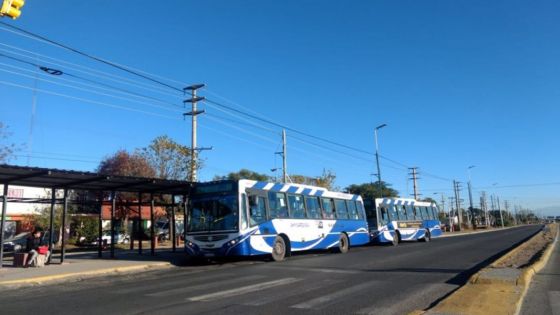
[343, 244]
[279, 249]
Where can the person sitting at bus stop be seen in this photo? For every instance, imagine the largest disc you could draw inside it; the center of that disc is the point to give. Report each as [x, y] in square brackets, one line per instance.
[35, 247]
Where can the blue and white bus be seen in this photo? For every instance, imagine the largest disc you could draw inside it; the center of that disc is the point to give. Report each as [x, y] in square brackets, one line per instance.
[393, 220]
[246, 217]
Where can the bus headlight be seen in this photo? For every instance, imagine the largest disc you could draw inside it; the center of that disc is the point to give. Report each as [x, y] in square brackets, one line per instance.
[232, 242]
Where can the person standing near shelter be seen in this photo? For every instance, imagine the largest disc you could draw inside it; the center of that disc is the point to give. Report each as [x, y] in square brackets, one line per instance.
[36, 247]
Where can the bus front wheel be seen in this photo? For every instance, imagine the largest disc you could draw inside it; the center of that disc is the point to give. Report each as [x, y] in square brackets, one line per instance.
[396, 238]
[427, 236]
[279, 249]
[343, 244]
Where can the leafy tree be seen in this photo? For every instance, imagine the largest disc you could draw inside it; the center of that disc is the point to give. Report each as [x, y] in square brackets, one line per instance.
[326, 180]
[429, 199]
[6, 150]
[370, 191]
[244, 174]
[169, 159]
[123, 163]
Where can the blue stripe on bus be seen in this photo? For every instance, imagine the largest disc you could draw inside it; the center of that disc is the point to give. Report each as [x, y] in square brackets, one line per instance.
[306, 191]
[260, 185]
[319, 193]
[292, 189]
[277, 187]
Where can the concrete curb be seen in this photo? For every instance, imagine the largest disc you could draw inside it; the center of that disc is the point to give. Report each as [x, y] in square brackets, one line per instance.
[527, 276]
[497, 290]
[92, 273]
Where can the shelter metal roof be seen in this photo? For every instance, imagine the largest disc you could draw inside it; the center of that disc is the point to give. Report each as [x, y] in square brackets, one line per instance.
[77, 180]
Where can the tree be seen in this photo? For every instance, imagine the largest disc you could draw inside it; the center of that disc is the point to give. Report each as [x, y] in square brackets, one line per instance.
[244, 174]
[6, 150]
[169, 159]
[326, 180]
[429, 199]
[370, 191]
[123, 163]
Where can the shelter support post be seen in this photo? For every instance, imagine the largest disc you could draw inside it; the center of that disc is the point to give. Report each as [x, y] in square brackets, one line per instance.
[172, 230]
[152, 227]
[100, 231]
[185, 205]
[2, 220]
[64, 213]
[51, 222]
[113, 205]
[140, 225]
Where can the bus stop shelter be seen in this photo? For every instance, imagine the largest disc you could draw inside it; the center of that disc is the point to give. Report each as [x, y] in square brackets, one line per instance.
[102, 184]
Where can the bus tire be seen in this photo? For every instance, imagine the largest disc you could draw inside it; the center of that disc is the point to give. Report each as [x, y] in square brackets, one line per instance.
[427, 236]
[396, 238]
[279, 249]
[343, 244]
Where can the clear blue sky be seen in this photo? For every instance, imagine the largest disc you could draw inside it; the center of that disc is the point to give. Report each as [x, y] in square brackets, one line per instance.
[459, 83]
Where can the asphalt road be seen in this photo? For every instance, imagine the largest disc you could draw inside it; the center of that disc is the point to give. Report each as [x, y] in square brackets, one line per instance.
[543, 296]
[367, 280]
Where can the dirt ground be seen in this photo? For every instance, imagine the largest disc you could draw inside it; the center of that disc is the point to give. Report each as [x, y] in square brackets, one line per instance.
[530, 251]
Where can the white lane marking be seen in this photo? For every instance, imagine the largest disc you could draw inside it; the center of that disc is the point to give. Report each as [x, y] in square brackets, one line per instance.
[330, 298]
[187, 288]
[311, 269]
[554, 301]
[243, 290]
[292, 292]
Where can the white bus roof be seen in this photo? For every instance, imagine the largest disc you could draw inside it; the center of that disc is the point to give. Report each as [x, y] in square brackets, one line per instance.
[296, 189]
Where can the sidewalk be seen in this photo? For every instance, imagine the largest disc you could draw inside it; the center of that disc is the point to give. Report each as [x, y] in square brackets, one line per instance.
[78, 265]
[543, 296]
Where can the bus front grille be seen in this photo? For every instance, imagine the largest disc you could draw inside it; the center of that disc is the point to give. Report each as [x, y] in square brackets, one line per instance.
[210, 238]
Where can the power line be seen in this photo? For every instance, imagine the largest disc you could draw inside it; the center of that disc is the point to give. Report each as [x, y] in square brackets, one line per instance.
[90, 71]
[87, 100]
[90, 56]
[107, 86]
[89, 91]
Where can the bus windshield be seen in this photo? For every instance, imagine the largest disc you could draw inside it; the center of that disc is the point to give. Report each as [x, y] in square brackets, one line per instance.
[213, 214]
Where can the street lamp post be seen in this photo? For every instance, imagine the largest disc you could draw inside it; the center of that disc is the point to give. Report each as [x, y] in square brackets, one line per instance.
[377, 160]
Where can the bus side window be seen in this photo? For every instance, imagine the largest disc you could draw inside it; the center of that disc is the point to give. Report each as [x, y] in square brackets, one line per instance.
[243, 211]
[297, 209]
[410, 212]
[361, 211]
[277, 205]
[341, 210]
[313, 207]
[384, 216]
[426, 214]
[436, 213]
[328, 208]
[401, 212]
[257, 209]
[393, 216]
[418, 213]
[352, 210]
